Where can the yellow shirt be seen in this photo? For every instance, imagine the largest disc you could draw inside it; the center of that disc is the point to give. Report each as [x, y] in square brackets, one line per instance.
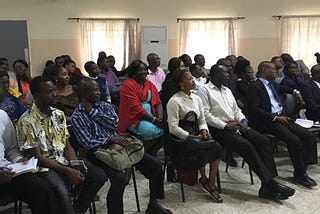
[49, 132]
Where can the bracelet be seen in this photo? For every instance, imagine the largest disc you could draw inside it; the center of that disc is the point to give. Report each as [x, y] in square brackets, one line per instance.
[154, 119]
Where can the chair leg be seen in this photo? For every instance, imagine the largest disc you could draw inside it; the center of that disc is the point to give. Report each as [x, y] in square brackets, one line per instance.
[251, 177]
[93, 204]
[19, 206]
[15, 207]
[243, 161]
[90, 209]
[227, 156]
[181, 186]
[135, 189]
[164, 166]
[218, 181]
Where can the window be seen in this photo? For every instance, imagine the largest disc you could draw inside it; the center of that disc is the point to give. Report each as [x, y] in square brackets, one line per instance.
[299, 36]
[214, 39]
[115, 37]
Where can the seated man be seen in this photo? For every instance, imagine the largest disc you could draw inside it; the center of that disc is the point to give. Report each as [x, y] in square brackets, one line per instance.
[266, 114]
[198, 76]
[42, 132]
[29, 188]
[9, 103]
[155, 74]
[311, 94]
[96, 123]
[230, 127]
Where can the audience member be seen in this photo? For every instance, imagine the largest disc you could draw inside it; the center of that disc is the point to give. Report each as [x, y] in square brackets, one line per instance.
[231, 84]
[96, 124]
[29, 188]
[42, 132]
[230, 127]
[70, 67]
[279, 64]
[92, 69]
[233, 59]
[311, 94]
[179, 105]
[155, 74]
[175, 64]
[10, 104]
[48, 62]
[267, 115]
[303, 70]
[59, 60]
[21, 69]
[245, 74]
[106, 72]
[200, 60]
[317, 55]
[140, 108]
[292, 79]
[198, 76]
[186, 60]
[66, 95]
[12, 78]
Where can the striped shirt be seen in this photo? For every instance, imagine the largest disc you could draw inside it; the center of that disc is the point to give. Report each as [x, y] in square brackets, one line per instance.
[95, 128]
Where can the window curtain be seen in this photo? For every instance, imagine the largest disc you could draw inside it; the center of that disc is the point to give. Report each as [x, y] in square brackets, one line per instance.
[300, 38]
[214, 39]
[115, 37]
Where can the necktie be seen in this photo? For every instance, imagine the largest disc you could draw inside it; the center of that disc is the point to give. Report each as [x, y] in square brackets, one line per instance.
[275, 94]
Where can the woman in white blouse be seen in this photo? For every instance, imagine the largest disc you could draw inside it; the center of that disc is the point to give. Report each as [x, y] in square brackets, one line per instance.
[197, 145]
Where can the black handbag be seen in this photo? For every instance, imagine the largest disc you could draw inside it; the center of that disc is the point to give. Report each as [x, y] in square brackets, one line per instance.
[190, 123]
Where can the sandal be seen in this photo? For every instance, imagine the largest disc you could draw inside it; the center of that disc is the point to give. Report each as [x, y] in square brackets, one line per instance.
[216, 197]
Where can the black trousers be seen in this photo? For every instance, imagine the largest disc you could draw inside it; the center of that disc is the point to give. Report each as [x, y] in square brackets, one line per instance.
[301, 144]
[254, 147]
[149, 166]
[34, 191]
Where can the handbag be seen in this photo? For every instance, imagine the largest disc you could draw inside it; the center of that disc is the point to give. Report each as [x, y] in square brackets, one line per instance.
[190, 123]
[120, 158]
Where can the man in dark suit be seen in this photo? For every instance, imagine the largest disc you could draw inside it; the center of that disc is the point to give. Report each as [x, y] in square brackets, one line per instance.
[266, 115]
[311, 94]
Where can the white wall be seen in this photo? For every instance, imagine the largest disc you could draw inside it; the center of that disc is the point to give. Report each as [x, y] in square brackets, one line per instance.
[52, 34]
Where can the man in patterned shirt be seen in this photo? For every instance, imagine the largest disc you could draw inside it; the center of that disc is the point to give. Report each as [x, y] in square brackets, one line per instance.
[42, 132]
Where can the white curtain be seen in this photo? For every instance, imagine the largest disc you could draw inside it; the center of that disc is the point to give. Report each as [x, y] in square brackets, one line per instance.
[115, 37]
[214, 39]
[300, 38]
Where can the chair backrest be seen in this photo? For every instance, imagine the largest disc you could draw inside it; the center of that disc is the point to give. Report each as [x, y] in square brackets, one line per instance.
[290, 106]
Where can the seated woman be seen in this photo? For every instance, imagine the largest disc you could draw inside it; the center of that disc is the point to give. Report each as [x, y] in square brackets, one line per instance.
[140, 108]
[70, 67]
[195, 145]
[66, 94]
[292, 79]
[21, 69]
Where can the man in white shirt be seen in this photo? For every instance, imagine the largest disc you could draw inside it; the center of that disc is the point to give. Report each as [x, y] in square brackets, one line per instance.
[155, 74]
[26, 187]
[198, 76]
[229, 126]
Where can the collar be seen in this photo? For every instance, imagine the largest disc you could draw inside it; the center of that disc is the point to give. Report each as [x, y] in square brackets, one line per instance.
[94, 78]
[81, 106]
[183, 94]
[318, 84]
[38, 113]
[213, 86]
[156, 71]
[264, 81]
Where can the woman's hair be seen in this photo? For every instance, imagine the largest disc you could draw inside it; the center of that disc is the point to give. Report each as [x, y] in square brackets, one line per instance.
[67, 62]
[241, 66]
[173, 82]
[22, 61]
[134, 67]
[174, 64]
[52, 71]
[49, 62]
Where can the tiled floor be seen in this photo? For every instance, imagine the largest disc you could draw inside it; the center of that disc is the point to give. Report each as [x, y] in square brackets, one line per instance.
[238, 194]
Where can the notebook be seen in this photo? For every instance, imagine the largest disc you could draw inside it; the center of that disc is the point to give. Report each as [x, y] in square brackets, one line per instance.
[21, 168]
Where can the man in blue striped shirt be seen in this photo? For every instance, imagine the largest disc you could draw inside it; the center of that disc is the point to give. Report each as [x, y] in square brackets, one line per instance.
[95, 125]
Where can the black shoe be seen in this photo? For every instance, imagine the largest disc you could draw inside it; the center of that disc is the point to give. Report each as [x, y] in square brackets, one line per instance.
[282, 189]
[269, 194]
[304, 180]
[157, 209]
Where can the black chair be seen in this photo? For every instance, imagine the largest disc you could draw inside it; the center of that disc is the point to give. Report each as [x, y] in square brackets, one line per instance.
[178, 162]
[242, 165]
[7, 199]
